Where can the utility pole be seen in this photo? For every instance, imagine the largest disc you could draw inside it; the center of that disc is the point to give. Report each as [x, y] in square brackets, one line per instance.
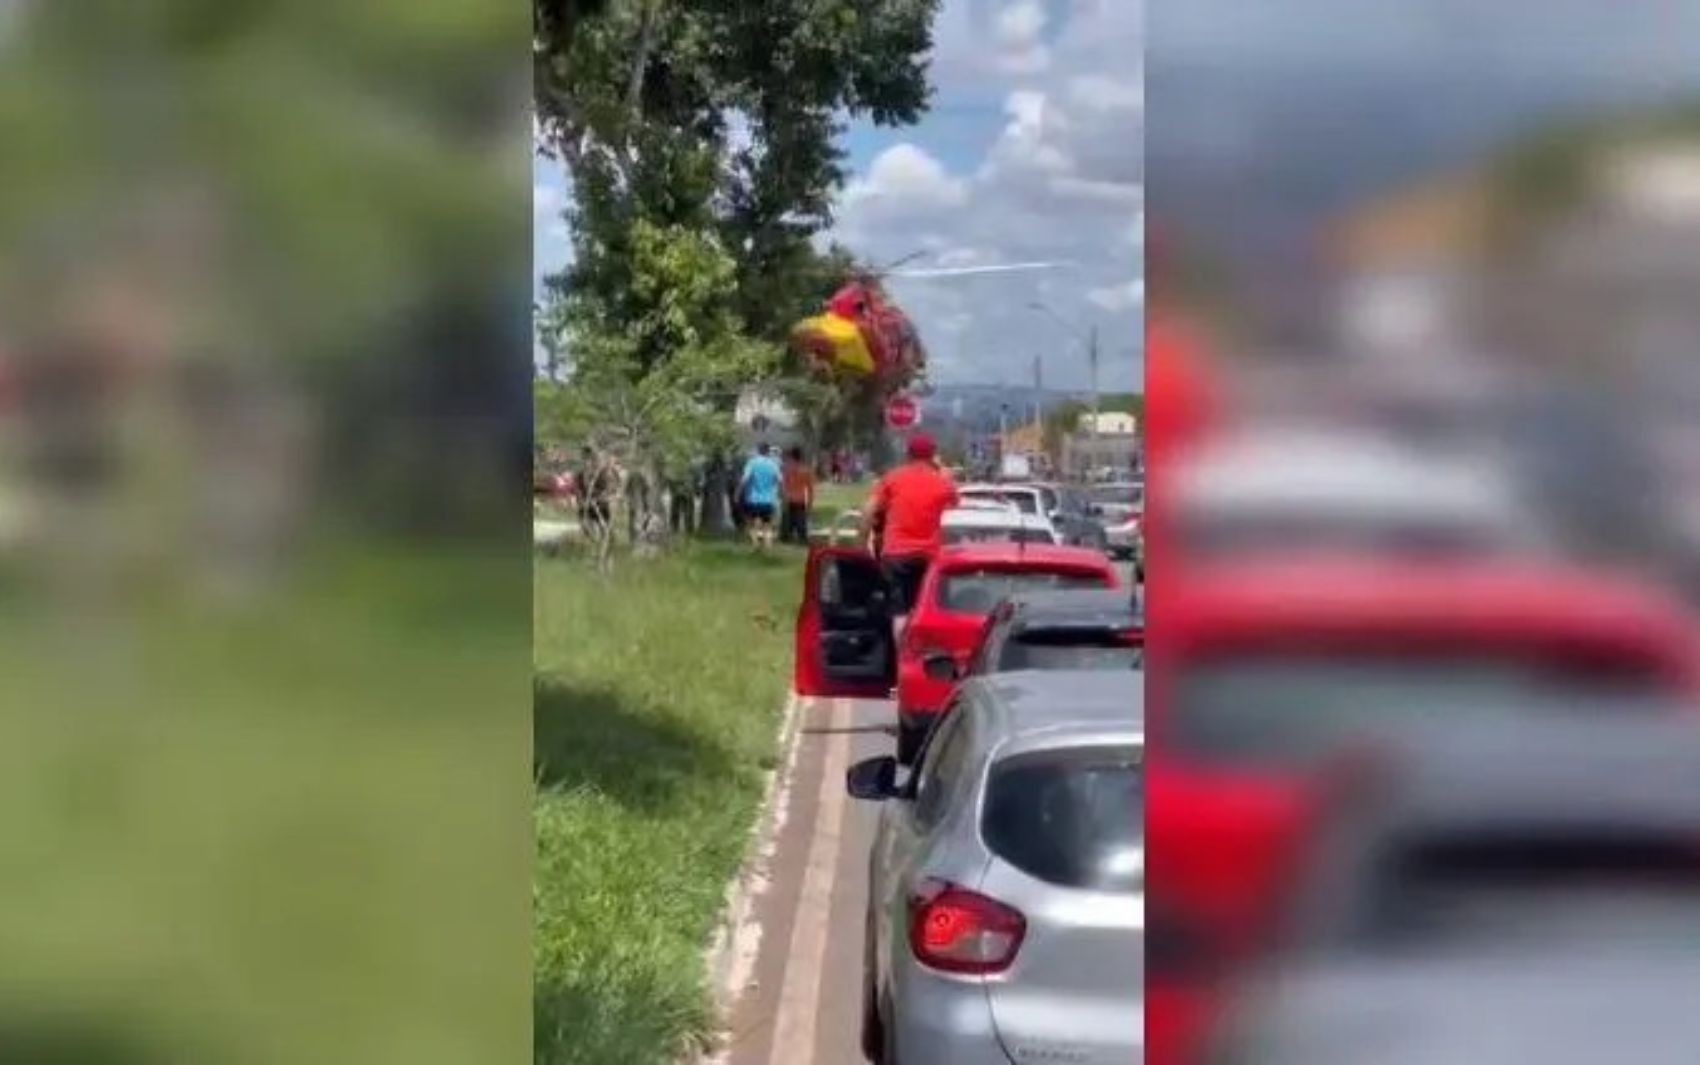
[1092, 363]
[1038, 391]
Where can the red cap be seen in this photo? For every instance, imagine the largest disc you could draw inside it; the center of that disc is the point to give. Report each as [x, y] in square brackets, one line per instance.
[922, 448]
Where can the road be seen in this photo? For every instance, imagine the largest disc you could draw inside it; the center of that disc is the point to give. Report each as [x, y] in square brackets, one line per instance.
[800, 1003]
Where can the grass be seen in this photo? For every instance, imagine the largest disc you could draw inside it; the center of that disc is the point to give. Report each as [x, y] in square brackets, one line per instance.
[831, 500]
[291, 833]
[657, 694]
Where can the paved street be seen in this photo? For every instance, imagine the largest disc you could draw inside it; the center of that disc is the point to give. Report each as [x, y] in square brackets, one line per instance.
[801, 1000]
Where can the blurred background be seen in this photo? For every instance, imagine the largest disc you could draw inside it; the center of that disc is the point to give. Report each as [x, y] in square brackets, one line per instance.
[264, 576]
[1423, 355]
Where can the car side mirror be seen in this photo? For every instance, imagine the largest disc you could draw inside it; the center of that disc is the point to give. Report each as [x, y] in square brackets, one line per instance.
[873, 779]
[939, 667]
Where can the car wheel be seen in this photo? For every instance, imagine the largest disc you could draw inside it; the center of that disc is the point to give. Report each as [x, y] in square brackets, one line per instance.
[873, 1028]
[888, 1045]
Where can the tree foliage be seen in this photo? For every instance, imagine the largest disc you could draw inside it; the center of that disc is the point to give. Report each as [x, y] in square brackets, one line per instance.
[700, 137]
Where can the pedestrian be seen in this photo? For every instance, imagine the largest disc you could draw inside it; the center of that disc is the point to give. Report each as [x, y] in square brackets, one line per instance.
[758, 490]
[904, 518]
[799, 487]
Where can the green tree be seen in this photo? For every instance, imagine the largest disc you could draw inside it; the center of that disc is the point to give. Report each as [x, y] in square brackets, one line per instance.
[640, 100]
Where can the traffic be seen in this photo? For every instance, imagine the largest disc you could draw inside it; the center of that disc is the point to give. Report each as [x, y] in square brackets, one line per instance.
[1094, 847]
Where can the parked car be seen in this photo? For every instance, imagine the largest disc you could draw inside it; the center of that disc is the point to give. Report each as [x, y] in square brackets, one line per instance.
[990, 521]
[1514, 893]
[1051, 631]
[845, 643]
[1267, 668]
[1120, 508]
[1004, 916]
[960, 591]
[1076, 518]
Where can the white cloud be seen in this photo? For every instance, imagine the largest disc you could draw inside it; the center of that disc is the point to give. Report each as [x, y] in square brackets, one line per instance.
[906, 178]
[1020, 24]
[1018, 35]
[1028, 141]
[1118, 297]
[1110, 192]
[1100, 92]
[1061, 181]
[546, 201]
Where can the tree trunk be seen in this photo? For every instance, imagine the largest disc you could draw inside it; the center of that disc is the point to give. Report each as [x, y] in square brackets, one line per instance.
[716, 515]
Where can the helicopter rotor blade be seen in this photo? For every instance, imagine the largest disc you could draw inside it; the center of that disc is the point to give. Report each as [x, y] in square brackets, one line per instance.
[968, 271]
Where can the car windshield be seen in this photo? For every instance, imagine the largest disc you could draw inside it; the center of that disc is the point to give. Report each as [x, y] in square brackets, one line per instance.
[1073, 818]
[994, 534]
[1094, 648]
[1277, 710]
[978, 590]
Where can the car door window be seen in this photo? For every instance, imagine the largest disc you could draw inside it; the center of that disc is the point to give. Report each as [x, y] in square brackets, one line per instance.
[940, 768]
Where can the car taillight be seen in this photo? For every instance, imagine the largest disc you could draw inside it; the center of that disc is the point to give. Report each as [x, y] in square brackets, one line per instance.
[956, 930]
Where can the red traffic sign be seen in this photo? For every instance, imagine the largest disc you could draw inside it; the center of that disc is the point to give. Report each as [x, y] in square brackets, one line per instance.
[901, 412]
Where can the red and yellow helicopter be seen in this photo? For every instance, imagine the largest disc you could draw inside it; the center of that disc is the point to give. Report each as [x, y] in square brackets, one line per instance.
[862, 334]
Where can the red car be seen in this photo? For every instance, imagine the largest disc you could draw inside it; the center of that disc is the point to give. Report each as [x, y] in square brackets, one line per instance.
[844, 633]
[1256, 668]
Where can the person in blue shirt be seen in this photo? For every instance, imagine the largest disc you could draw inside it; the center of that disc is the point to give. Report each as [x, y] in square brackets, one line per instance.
[759, 489]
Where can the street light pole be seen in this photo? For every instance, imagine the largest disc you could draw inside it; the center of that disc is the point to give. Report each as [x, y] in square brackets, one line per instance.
[1092, 360]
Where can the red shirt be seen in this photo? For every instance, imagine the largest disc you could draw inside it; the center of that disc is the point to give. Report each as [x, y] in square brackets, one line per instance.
[913, 499]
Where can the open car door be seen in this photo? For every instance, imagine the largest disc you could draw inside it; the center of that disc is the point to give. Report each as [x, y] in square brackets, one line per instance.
[845, 648]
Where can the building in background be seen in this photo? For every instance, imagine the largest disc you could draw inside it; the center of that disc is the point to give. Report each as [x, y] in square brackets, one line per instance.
[1107, 446]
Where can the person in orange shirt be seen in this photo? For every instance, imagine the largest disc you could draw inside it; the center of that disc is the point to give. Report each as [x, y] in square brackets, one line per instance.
[905, 516]
[799, 489]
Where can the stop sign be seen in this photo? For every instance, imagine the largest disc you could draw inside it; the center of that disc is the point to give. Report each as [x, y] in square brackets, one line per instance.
[902, 412]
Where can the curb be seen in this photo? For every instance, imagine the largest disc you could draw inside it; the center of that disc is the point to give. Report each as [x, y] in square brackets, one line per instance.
[733, 948]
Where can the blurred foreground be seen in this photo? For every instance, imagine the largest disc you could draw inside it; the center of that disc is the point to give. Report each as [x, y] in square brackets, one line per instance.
[1423, 646]
[264, 580]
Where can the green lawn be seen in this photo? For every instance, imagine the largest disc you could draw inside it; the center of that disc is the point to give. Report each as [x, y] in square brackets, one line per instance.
[832, 500]
[657, 696]
[291, 833]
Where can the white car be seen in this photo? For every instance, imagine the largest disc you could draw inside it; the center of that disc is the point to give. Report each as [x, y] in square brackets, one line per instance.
[1029, 499]
[1121, 507]
[994, 523]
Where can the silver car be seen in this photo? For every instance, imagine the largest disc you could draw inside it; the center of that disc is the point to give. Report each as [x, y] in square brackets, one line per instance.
[1006, 910]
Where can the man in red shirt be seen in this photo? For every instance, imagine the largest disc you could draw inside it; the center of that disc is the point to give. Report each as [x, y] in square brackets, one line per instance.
[905, 515]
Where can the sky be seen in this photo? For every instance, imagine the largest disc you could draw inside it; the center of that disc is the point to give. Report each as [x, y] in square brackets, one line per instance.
[1032, 152]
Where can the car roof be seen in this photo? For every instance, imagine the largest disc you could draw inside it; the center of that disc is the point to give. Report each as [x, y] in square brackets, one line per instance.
[1033, 709]
[987, 486]
[1037, 609]
[958, 555]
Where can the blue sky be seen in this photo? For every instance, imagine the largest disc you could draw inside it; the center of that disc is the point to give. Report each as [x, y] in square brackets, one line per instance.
[1031, 153]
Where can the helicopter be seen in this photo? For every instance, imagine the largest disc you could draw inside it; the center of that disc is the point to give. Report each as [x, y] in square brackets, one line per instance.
[862, 333]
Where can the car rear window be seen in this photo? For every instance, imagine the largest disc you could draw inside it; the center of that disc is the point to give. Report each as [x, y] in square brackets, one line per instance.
[1026, 502]
[977, 591]
[1063, 648]
[1072, 818]
[996, 534]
